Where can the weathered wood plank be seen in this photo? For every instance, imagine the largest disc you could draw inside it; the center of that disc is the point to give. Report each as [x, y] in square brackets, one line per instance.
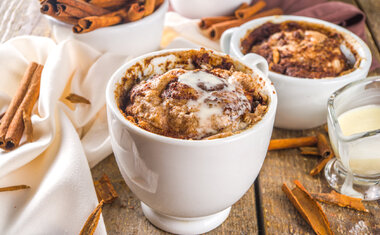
[125, 216]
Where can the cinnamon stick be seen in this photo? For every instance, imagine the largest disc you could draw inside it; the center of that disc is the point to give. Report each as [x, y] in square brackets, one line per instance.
[325, 151]
[135, 12]
[16, 127]
[1, 116]
[276, 144]
[75, 99]
[340, 200]
[310, 210]
[149, 7]
[49, 9]
[16, 101]
[323, 145]
[105, 190]
[109, 4]
[92, 221]
[70, 11]
[14, 188]
[250, 11]
[309, 151]
[319, 167]
[206, 22]
[216, 30]
[84, 6]
[91, 23]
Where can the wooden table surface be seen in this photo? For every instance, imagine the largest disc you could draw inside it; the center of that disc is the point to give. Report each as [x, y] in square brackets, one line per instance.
[264, 209]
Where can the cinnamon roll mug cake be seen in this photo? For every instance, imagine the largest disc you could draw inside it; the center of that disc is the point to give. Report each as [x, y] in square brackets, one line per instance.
[187, 126]
[308, 60]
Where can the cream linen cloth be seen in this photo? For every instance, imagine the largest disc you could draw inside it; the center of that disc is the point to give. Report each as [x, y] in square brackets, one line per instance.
[184, 29]
[62, 194]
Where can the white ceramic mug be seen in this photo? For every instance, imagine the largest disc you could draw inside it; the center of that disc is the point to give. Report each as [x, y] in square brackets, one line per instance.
[132, 39]
[186, 186]
[202, 8]
[302, 101]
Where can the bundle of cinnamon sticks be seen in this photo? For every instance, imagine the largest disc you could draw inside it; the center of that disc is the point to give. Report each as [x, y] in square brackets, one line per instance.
[17, 118]
[213, 27]
[88, 15]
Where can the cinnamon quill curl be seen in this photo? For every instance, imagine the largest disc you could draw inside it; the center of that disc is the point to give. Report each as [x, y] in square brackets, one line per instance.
[310, 210]
[340, 200]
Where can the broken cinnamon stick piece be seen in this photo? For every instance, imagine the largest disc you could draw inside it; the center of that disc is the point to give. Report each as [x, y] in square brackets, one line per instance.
[323, 145]
[250, 11]
[309, 151]
[206, 22]
[16, 101]
[105, 190]
[92, 221]
[14, 188]
[340, 200]
[276, 144]
[77, 99]
[310, 210]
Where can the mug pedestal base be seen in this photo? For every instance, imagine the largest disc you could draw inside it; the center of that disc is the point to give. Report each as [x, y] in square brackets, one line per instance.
[179, 225]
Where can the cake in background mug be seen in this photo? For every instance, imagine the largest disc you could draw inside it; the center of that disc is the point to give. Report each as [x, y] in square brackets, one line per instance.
[308, 59]
[188, 175]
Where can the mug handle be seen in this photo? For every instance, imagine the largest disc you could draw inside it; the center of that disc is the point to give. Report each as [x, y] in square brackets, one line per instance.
[256, 61]
[225, 40]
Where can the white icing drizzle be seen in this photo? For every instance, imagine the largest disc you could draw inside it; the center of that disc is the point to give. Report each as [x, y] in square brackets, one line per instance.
[206, 110]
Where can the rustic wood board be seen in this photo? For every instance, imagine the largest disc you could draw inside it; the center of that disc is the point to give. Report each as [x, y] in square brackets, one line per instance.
[124, 215]
[276, 214]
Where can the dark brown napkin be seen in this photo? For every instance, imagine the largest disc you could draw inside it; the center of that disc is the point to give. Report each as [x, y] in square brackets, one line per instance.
[343, 14]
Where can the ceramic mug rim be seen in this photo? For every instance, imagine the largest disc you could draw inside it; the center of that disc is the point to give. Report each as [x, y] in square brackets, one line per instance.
[366, 56]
